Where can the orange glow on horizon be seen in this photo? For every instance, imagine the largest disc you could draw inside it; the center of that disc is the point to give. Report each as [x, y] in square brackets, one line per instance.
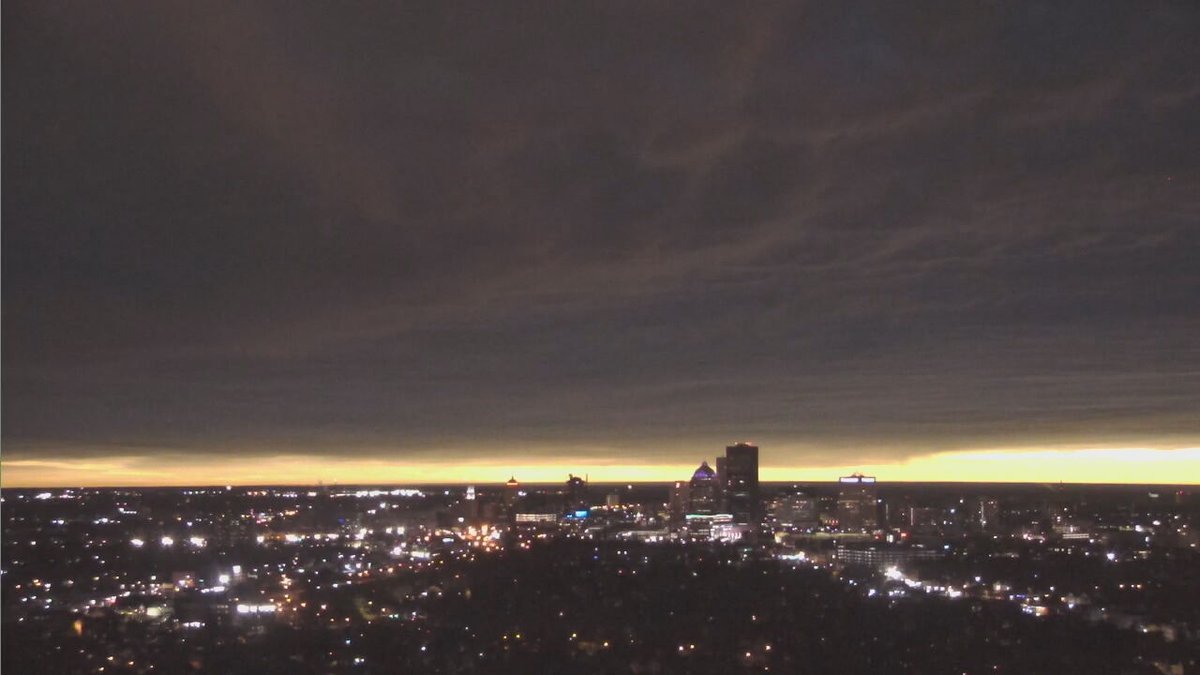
[1032, 465]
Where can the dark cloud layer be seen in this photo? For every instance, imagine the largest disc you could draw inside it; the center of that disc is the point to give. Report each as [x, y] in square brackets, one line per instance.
[830, 225]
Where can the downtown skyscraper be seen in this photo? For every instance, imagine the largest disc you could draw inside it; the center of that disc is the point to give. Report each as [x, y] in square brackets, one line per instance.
[740, 483]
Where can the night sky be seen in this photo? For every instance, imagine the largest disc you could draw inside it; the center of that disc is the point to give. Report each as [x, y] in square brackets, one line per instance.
[304, 241]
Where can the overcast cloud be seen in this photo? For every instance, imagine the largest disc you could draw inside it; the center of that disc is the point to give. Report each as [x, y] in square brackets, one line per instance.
[836, 227]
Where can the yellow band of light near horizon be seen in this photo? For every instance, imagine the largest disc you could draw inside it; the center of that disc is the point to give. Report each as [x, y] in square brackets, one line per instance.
[1161, 466]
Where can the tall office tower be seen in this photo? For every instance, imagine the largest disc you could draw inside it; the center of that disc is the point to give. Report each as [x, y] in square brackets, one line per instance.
[678, 501]
[722, 476]
[857, 503]
[510, 498]
[511, 491]
[741, 483]
[702, 491]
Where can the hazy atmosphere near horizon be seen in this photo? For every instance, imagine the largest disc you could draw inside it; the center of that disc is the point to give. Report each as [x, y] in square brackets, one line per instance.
[254, 243]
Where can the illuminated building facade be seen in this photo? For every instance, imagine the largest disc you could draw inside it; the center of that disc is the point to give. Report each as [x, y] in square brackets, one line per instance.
[795, 510]
[857, 503]
[740, 483]
[883, 556]
[512, 490]
[702, 491]
[678, 501]
[988, 513]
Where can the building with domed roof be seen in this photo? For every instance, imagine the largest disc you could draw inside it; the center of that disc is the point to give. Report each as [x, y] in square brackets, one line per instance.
[703, 490]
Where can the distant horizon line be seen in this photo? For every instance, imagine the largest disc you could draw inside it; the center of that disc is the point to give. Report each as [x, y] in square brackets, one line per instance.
[1099, 466]
[443, 484]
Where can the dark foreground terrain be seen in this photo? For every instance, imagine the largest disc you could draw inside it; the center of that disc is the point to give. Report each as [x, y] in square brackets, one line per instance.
[583, 607]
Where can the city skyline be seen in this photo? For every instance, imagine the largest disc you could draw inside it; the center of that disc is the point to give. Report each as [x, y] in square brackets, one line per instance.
[576, 576]
[244, 245]
[593, 337]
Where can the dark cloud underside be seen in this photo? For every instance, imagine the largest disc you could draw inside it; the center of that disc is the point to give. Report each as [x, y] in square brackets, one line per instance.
[827, 225]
